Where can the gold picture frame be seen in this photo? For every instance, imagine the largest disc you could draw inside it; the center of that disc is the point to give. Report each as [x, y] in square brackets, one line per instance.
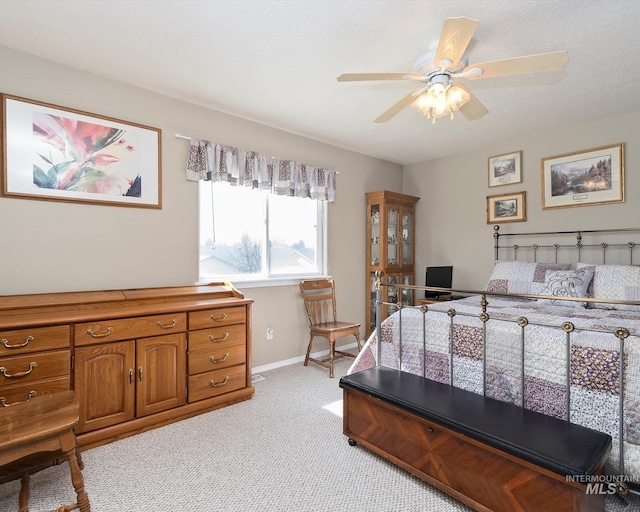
[505, 169]
[507, 208]
[583, 178]
[55, 153]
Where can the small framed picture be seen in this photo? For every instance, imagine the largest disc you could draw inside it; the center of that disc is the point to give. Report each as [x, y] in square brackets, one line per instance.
[505, 169]
[584, 178]
[506, 208]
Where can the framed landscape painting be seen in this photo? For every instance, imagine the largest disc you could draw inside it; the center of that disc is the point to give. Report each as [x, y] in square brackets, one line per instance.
[507, 208]
[55, 153]
[583, 178]
[505, 169]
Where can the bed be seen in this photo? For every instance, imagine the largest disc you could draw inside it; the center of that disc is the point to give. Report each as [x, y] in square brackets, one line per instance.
[550, 337]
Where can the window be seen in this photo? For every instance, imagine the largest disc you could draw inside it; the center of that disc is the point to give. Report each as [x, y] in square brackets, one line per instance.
[251, 235]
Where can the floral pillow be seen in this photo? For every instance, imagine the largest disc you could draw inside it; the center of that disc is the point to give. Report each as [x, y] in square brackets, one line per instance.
[566, 283]
[617, 282]
[520, 276]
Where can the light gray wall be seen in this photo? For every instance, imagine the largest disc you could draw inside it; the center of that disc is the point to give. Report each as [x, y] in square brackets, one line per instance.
[49, 246]
[451, 219]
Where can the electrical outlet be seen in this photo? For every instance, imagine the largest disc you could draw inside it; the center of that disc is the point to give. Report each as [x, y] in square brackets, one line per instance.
[269, 332]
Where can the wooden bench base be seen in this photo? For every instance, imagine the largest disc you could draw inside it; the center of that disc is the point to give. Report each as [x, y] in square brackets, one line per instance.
[481, 476]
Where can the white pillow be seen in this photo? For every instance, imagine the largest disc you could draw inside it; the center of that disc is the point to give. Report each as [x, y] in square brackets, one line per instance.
[520, 276]
[618, 282]
[566, 283]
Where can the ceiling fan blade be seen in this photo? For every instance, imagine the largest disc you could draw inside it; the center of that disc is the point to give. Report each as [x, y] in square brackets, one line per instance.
[541, 63]
[356, 77]
[395, 109]
[455, 37]
[472, 109]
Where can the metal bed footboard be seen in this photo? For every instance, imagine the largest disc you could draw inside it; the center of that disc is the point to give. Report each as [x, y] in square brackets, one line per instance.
[622, 334]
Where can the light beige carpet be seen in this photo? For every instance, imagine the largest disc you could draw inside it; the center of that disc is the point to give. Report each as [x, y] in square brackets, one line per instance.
[283, 450]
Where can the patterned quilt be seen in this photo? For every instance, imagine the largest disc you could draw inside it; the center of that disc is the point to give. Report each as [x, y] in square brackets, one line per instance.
[594, 377]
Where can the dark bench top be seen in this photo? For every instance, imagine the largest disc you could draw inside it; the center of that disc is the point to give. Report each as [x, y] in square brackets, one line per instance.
[557, 445]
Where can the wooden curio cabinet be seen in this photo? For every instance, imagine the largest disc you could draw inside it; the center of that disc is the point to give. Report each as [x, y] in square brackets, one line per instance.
[390, 248]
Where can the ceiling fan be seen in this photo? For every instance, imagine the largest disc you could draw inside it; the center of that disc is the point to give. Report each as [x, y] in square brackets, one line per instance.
[438, 94]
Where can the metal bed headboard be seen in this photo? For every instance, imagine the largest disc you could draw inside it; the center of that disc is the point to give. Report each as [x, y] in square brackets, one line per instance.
[578, 245]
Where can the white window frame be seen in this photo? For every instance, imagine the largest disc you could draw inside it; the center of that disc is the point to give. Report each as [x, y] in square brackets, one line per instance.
[265, 280]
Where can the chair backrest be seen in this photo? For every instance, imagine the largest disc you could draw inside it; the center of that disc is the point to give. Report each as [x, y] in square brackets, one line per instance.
[319, 300]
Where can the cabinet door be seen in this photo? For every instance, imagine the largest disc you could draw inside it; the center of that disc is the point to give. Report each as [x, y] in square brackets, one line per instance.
[393, 236]
[104, 384]
[160, 373]
[406, 238]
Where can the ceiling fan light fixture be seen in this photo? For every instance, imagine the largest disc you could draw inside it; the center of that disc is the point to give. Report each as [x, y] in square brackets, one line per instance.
[457, 96]
[441, 100]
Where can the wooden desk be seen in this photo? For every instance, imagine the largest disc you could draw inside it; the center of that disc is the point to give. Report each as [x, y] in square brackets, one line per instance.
[426, 302]
[34, 434]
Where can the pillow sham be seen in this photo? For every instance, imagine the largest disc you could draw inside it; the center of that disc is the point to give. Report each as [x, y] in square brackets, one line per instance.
[566, 283]
[618, 282]
[520, 276]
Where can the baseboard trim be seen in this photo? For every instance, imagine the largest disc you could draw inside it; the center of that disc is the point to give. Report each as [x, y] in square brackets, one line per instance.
[299, 359]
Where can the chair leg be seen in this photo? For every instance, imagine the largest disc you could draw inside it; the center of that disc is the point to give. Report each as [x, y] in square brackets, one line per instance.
[306, 359]
[357, 335]
[332, 353]
[23, 497]
[78, 482]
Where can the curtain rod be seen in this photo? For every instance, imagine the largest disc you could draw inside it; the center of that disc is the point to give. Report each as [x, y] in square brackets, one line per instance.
[178, 136]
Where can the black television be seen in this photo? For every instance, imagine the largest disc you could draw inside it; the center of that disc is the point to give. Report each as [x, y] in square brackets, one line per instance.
[439, 277]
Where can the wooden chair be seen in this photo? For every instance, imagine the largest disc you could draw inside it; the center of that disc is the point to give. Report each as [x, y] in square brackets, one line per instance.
[36, 434]
[320, 302]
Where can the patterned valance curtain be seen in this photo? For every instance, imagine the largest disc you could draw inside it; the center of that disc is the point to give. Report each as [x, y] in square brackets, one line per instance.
[239, 167]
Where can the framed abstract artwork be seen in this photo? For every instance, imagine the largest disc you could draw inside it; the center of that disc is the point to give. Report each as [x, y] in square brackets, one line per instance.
[584, 178]
[55, 153]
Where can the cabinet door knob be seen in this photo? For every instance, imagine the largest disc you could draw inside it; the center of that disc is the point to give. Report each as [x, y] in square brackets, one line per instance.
[130, 376]
[3, 370]
[26, 342]
[91, 333]
[140, 374]
[215, 361]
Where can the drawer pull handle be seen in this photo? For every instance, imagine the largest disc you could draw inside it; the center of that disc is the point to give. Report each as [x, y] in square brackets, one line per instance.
[217, 384]
[91, 333]
[26, 342]
[162, 326]
[4, 403]
[219, 319]
[32, 365]
[219, 340]
[215, 361]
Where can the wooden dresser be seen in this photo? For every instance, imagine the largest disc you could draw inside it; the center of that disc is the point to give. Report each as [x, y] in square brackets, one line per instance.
[136, 359]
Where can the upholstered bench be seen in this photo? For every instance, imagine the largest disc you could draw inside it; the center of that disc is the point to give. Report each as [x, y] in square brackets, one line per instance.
[489, 454]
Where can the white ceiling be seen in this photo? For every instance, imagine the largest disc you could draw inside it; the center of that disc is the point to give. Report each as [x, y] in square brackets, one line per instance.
[276, 61]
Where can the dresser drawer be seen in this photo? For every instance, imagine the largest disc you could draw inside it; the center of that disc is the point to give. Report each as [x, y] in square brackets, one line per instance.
[129, 328]
[25, 341]
[218, 337]
[218, 382]
[21, 392]
[31, 367]
[216, 358]
[216, 317]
